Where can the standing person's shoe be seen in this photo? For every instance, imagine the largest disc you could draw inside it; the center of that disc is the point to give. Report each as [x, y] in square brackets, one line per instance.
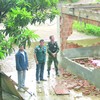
[43, 80]
[25, 88]
[38, 82]
[57, 75]
[48, 76]
[21, 90]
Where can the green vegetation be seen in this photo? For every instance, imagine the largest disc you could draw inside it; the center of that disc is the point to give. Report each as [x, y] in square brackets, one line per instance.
[98, 0]
[75, 1]
[16, 15]
[69, 1]
[87, 28]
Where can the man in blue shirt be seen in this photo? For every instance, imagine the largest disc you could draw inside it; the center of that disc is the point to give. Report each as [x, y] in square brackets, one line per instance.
[21, 67]
[40, 58]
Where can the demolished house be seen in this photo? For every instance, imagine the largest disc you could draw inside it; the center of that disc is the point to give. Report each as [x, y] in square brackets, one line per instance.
[75, 57]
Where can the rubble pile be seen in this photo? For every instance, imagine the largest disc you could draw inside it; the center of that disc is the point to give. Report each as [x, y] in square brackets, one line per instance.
[89, 62]
[69, 82]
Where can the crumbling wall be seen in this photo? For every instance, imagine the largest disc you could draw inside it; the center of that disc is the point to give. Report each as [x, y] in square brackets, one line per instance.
[66, 30]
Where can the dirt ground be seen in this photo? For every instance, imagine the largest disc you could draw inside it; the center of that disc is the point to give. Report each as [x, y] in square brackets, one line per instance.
[56, 88]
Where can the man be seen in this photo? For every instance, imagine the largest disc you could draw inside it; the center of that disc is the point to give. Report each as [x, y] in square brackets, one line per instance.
[40, 58]
[52, 49]
[21, 67]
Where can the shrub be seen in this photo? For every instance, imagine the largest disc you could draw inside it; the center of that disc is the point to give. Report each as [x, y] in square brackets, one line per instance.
[87, 28]
[98, 0]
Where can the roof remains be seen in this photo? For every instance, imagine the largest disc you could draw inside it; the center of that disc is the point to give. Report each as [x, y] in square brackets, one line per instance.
[89, 11]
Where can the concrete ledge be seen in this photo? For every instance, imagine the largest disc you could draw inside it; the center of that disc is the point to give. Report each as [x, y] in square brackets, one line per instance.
[92, 51]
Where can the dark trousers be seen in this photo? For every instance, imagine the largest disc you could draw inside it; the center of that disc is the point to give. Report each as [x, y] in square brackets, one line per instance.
[39, 71]
[50, 60]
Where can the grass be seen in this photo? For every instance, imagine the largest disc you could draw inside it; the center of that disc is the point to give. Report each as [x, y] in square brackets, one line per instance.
[75, 1]
[71, 1]
[86, 28]
[98, 1]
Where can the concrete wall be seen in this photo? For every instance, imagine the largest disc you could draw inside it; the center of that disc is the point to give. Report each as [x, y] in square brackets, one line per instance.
[93, 51]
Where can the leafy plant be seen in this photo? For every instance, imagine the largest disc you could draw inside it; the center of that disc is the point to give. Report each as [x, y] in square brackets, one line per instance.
[5, 46]
[98, 0]
[87, 28]
[26, 37]
[16, 15]
[71, 1]
[75, 1]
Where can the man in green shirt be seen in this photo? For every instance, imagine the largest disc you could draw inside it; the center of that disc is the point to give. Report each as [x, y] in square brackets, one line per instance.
[52, 49]
[40, 58]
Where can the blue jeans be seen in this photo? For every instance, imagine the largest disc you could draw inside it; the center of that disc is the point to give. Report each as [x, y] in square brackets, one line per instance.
[21, 78]
[39, 71]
